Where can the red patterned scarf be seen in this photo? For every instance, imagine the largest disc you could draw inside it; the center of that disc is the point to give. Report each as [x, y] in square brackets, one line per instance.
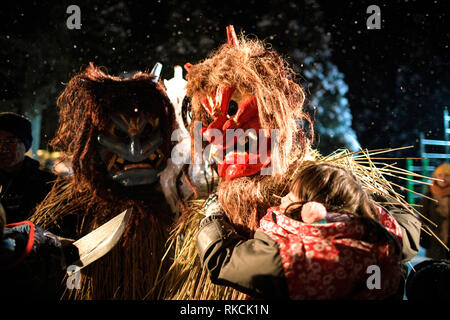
[330, 261]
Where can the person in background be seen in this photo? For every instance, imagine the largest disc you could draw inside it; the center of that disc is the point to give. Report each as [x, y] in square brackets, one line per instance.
[439, 213]
[23, 184]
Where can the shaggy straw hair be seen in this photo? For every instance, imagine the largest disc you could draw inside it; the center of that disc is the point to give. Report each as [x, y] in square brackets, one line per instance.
[79, 204]
[186, 279]
[254, 70]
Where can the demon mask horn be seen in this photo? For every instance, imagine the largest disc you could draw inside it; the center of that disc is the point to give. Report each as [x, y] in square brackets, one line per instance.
[231, 36]
[156, 71]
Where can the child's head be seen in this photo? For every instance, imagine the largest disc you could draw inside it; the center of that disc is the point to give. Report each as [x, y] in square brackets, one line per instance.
[333, 186]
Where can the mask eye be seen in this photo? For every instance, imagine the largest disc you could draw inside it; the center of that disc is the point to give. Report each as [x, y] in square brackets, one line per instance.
[232, 108]
[148, 129]
[119, 133]
[186, 111]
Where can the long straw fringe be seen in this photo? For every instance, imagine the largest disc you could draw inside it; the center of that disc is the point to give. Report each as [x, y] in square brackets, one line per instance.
[186, 279]
[130, 279]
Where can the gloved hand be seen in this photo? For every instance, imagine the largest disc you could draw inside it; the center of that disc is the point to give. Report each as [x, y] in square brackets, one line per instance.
[214, 227]
[25, 240]
[212, 206]
[45, 238]
[31, 262]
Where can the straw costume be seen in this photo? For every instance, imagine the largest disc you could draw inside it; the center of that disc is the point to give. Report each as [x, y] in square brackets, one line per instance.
[245, 85]
[116, 132]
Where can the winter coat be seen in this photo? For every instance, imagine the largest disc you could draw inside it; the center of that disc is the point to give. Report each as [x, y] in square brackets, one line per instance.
[288, 259]
[23, 190]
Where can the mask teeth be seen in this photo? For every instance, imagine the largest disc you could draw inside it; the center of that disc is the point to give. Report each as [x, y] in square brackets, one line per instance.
[212, 154]
[138, 165]
[112, 161]
[251, 136]
[161, 158]
[218, 99]
[211, 104]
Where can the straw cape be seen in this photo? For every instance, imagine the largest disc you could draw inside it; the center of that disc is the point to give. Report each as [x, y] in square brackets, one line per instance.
[186, 279]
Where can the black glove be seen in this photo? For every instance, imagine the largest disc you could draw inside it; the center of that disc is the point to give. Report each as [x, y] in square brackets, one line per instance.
[31, 263]
[24, 240]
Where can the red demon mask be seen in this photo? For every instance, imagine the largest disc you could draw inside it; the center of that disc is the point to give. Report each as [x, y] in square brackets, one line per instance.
[238, 144]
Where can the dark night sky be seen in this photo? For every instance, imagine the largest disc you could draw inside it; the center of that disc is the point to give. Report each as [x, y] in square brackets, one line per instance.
[413, 34]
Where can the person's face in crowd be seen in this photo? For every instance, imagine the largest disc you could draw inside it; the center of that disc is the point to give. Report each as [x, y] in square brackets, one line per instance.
[12, 151]
[445, 177]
